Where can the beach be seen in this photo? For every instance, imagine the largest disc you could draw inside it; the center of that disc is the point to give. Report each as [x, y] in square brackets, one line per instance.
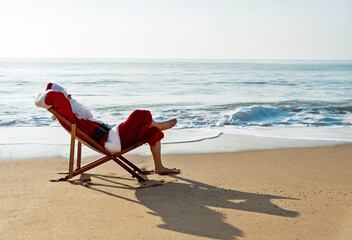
[264, 147]
[298, 193]
[250, 100]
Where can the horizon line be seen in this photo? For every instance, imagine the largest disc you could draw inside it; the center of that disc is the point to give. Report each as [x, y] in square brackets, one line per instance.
[198, 59]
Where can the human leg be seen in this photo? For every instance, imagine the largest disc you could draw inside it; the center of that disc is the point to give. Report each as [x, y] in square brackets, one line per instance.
[137, 128]
[140, 126]
[164, 125]
[159, 167]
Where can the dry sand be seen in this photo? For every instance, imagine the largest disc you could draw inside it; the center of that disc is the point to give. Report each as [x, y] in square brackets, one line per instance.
[275, 194]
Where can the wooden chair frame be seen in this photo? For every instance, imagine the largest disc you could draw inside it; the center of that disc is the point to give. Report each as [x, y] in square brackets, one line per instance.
[117, 157]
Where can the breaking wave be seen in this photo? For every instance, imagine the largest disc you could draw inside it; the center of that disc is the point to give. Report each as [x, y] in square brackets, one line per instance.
[270, 116]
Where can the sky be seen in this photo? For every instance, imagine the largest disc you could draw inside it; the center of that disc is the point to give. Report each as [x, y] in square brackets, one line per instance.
[177, 29]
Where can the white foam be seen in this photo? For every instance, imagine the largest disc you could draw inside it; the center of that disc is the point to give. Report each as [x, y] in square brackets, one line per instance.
[177, 136]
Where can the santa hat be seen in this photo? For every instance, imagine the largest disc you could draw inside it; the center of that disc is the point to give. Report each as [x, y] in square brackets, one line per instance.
[56, 87]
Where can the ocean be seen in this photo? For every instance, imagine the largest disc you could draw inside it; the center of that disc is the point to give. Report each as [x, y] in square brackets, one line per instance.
[200, 93]
[215, 96]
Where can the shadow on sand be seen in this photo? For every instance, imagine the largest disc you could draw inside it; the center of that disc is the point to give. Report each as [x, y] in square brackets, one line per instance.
[192, 207]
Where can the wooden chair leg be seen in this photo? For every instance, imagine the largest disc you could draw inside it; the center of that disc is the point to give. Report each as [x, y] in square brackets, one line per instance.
[79, 154]
[72, 151]
[135, 168]
[128, 169]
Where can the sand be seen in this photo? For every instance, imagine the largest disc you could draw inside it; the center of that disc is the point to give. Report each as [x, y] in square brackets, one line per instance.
[273, 194]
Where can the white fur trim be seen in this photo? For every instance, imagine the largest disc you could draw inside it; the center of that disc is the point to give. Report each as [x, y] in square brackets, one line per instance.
[113, 143]
[40, 100]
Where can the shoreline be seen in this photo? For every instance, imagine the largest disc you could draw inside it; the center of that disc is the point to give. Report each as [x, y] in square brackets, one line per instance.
[296, 193]
[39, 141]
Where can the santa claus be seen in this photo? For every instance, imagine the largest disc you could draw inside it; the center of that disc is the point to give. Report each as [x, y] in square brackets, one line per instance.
[139, 126]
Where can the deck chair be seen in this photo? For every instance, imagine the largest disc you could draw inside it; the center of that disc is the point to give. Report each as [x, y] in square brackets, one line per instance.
[89, 142]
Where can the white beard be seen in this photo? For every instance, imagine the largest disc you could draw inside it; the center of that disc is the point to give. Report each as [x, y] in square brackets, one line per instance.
[80, 111]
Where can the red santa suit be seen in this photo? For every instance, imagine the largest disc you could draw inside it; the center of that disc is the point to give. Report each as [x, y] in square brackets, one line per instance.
[136, 128]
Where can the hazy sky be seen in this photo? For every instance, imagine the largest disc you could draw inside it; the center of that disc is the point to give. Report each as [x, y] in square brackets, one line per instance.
[197, 29]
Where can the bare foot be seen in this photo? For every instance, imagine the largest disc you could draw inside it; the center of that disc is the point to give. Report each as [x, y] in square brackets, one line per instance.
[168, 124]
[165, 125]
[165, 171]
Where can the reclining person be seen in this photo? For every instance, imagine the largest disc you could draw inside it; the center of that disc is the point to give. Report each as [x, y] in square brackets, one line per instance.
[139, 126]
